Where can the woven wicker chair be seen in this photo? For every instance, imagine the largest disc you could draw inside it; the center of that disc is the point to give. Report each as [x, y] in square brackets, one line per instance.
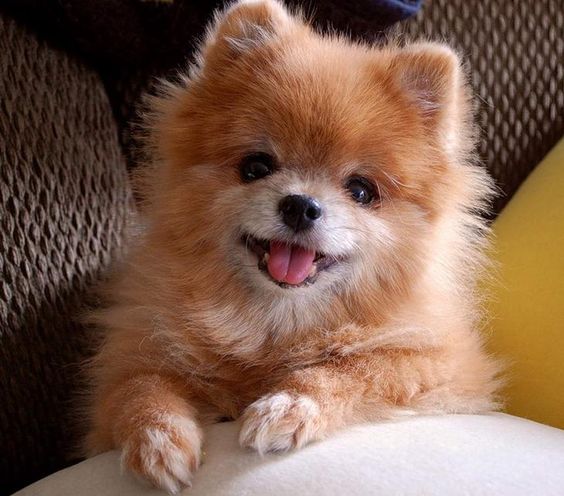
[65, 195]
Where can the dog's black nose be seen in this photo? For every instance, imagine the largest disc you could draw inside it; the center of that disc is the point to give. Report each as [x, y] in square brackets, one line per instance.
[299, 211]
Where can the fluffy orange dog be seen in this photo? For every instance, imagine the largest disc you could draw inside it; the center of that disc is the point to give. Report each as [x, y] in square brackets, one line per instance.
[311, 247]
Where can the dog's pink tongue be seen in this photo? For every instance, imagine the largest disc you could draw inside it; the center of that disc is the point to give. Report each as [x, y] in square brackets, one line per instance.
[289, 263]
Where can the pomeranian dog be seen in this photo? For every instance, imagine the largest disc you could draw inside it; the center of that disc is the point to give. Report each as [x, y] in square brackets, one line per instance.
[312, 239]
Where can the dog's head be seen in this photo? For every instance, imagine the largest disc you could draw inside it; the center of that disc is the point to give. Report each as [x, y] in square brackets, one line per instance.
[294, 162]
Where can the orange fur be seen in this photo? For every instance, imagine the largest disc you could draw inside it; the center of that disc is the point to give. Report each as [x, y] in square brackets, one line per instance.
[195, 332]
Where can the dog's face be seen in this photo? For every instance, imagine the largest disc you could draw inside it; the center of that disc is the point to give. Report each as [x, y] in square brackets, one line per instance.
[297, 163]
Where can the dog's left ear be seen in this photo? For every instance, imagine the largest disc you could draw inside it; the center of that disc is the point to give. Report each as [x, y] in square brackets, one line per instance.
[243, 26]
[431, 75]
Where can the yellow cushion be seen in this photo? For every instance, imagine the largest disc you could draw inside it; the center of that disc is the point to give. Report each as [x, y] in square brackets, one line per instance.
[527, 303]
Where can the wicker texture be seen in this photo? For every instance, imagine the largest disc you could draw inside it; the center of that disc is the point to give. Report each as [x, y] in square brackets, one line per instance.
[515, 52]
[63, 199]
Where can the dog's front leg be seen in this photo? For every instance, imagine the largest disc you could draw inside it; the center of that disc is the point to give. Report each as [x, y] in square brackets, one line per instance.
[149, 417]
[313, 401]
[304, 407]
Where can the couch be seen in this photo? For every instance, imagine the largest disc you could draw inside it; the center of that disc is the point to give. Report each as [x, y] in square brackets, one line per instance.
[65, 150]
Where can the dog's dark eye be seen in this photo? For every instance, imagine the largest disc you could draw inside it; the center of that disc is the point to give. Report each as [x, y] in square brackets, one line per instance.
[256, 166]
[361, 190]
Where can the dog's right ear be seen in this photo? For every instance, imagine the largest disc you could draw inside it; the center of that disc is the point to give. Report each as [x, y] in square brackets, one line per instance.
[243, 26]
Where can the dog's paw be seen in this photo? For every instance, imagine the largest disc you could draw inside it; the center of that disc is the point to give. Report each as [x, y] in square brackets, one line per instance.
[280, 422]
[165, 453]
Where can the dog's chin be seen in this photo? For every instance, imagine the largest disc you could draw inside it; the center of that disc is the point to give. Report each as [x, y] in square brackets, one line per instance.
[259, 250]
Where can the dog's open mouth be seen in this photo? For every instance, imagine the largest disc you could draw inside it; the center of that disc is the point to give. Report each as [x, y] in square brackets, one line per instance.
[288, 265]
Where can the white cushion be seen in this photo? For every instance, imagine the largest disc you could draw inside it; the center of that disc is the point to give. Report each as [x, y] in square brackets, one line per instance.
[458, 454]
